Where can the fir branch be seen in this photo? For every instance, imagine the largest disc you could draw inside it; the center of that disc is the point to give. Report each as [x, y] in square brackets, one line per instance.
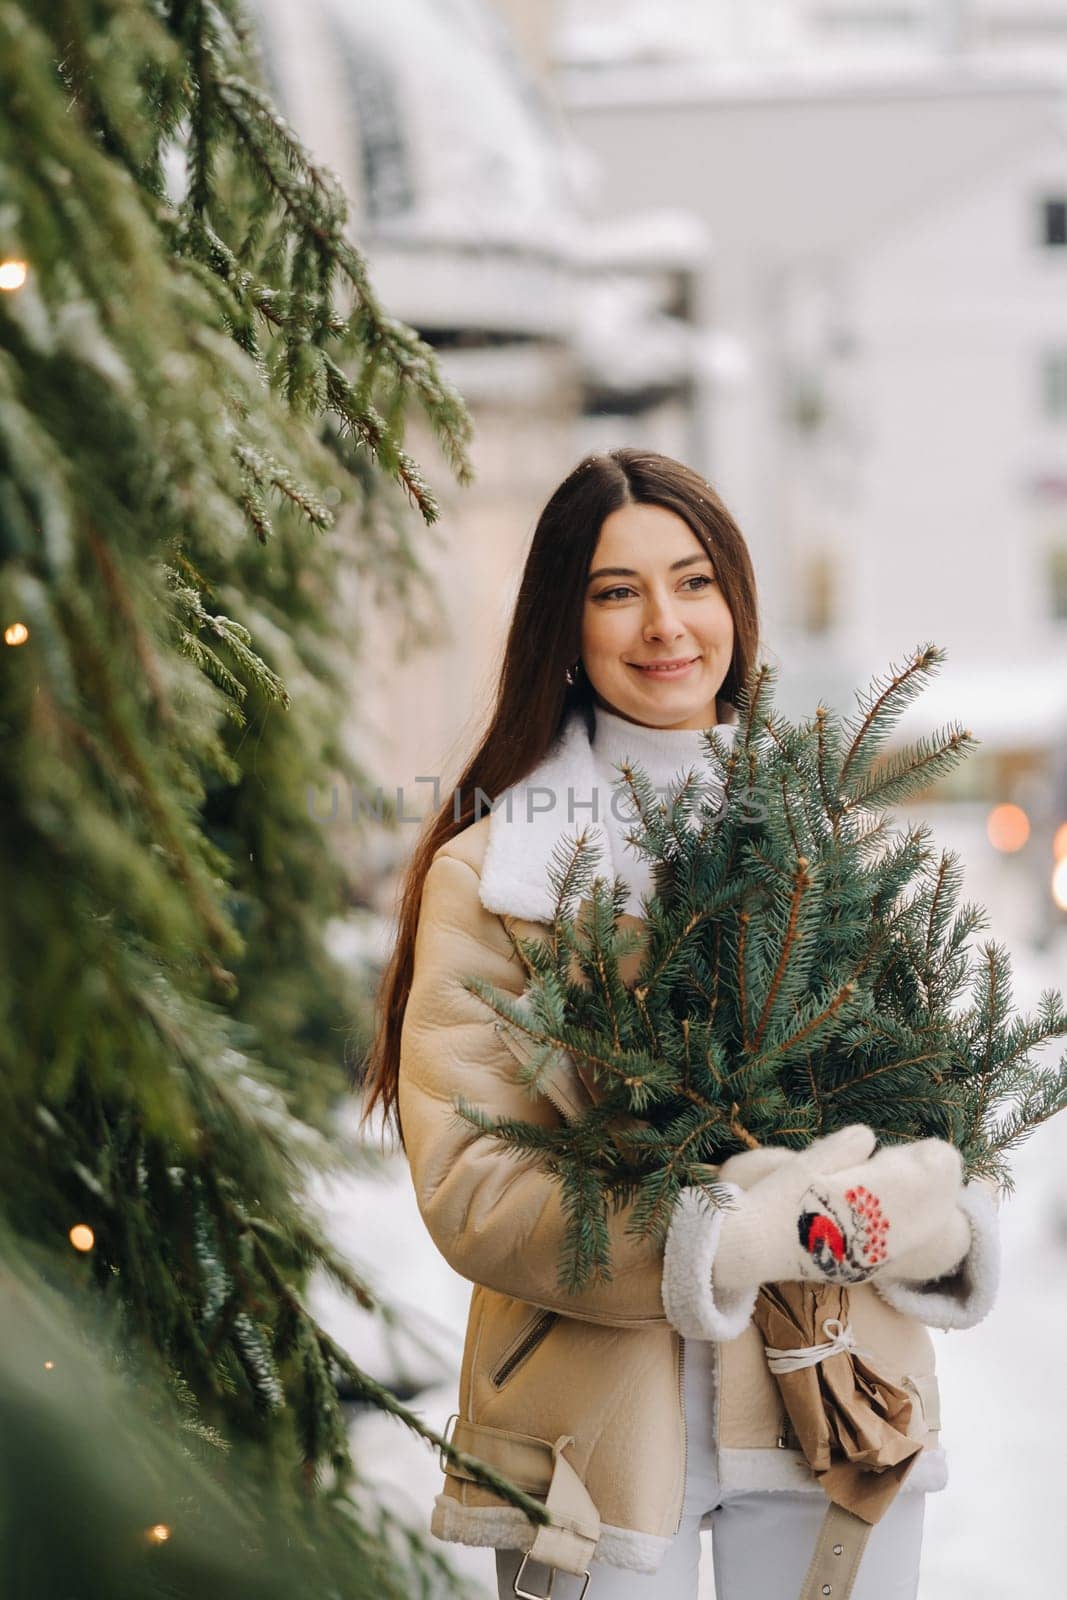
[801, 884]
[851, 1084]
[378, 1395]
[832, 806]
[912, 769]
[366, 424]
[883, 703]
[742, 989]
[144, 424]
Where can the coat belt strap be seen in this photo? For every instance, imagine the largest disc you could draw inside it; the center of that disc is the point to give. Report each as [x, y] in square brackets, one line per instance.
[570, 1543]
[838, 1552]
[540, 1469]
[526, 1460]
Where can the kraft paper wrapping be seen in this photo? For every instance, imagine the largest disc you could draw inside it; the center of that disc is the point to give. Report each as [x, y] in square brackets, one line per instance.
[851, 1423]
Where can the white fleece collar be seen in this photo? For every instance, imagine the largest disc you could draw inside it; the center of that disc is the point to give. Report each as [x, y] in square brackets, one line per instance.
[529, 820]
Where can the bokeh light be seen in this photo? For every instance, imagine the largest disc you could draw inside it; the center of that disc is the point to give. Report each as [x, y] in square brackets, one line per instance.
[13, 274]
[1007, 827]
[1059, 883]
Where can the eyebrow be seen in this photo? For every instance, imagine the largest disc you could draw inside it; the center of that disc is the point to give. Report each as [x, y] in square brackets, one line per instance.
[628, 572]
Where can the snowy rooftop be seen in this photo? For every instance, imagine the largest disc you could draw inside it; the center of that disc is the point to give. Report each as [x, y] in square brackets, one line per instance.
[667, 237]
[617, 83]
[434, 124]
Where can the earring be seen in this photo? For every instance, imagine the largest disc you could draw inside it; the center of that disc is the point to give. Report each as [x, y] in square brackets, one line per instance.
[572, 672]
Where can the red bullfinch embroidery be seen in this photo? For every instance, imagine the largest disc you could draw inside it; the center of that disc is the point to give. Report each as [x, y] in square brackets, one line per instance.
[845, 1248]
[819, 1233]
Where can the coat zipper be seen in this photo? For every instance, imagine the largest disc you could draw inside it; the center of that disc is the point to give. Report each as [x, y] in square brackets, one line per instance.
[527, 1344]
[685, 1431]
[787, 1435]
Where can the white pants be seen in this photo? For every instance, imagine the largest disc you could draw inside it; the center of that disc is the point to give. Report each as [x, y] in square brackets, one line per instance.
[761, 1542]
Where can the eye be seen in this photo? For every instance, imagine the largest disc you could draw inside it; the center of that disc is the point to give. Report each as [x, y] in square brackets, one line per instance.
[700, 578]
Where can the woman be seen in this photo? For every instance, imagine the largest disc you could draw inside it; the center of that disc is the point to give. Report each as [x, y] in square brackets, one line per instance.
[642, 1408]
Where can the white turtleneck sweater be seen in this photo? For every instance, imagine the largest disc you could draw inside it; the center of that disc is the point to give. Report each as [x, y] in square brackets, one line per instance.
[664, 754]
[571, 791]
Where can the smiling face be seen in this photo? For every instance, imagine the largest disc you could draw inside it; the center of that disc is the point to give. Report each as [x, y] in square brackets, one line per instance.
[652, 599]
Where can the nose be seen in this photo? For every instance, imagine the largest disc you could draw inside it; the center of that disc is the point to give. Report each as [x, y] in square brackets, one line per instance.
[660, 621]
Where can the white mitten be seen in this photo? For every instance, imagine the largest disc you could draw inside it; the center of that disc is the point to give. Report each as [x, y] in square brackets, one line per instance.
[764, 1194]
[830, 1215]
[943, 1293]
[856, 1210]
[900, 1219]
[940, 1254]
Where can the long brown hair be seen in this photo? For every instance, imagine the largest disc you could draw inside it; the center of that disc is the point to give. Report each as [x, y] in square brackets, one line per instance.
[534, 699]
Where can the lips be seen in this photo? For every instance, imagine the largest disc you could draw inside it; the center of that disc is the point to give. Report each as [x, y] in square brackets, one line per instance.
[664, 669]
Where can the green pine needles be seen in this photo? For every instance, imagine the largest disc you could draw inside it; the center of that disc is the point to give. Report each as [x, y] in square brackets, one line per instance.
[204, 419]
[802, 965]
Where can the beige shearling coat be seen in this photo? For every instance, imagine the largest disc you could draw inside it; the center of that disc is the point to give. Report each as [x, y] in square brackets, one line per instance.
[603, 1369]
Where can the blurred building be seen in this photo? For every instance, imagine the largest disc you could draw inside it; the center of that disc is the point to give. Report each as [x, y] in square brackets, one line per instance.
[468, 196]
[884, 189]
[817, 249]
[849, 34]
[887, 262]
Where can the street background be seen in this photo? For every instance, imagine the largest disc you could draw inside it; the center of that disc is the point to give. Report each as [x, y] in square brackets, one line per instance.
[818, 250]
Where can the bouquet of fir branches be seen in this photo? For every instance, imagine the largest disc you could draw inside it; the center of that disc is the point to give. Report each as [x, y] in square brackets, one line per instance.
[802, 964]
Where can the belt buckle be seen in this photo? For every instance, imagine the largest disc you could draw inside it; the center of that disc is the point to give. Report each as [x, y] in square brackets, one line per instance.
[442, 1463]
[529, 1594]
